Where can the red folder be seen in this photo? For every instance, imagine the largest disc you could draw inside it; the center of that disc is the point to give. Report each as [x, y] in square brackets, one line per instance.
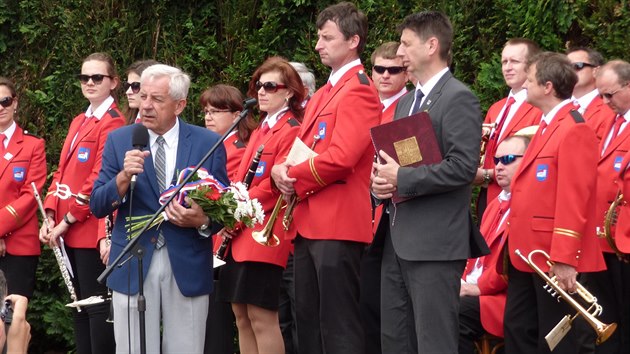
[410, 141]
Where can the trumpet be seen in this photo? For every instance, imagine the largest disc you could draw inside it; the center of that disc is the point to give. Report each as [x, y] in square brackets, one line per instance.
[486, 130]
[57, 252]
[266, 236]
[604, 331]
[610, 220]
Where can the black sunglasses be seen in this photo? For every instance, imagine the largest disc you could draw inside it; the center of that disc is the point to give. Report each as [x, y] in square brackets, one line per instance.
[269, 86]
[581, 65]
[610, 95]
[6, 102]
[96, 78]
[506, 159]
[393, 70]
[135, 86]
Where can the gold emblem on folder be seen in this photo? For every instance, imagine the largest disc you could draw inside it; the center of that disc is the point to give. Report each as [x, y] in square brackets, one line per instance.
[408, 151]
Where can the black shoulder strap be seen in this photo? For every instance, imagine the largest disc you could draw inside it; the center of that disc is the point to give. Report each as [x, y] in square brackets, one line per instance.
[577, 117]
[239, 144]
[113, 113]
[293, 122]
[363, 79]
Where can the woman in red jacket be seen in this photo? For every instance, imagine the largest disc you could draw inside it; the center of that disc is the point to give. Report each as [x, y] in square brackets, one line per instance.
[251, 278]
[22, 161]
[67, 201]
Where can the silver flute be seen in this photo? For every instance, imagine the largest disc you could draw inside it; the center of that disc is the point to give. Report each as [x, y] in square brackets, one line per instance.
[58, 256]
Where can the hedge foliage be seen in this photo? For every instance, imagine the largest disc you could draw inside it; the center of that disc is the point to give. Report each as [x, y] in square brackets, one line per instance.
[42, 44]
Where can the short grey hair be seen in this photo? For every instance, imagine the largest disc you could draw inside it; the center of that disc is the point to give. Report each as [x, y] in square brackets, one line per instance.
[179, 82]
[307, 76]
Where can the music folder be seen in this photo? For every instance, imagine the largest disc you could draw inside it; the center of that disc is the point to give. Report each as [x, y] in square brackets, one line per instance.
[410, 141]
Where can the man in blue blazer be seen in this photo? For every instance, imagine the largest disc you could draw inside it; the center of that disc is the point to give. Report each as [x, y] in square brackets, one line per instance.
[178, 255]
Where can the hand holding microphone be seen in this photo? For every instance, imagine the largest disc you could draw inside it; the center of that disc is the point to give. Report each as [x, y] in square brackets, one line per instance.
[134, 159]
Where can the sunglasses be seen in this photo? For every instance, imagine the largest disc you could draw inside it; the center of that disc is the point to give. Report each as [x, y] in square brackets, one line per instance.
[609, 96]
[393, 70]
[269, 86]
[506, 159]
[6, 102]
[96, 78]
[581, 65]
[135, 86]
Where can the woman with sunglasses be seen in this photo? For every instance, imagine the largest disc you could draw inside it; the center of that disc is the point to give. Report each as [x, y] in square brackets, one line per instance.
[221, 106]
[251, 278]
[67, 200]
[22, 161]
[131, 88]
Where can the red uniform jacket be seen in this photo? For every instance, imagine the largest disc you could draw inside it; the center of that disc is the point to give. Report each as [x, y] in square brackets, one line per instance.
[553, 194]
[334, 186]
[234, 149]
[493, 286]
[622, 230]
[78, 169]
[24, 162]
[597, 116]
[388, 116]
[525, 116]
[608, 169]
[277, 142]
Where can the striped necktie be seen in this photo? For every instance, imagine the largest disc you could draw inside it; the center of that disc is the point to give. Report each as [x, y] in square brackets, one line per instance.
[160, 173]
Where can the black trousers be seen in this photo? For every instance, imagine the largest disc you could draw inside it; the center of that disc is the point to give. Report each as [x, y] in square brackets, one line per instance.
[530, 313]
[470, 327]
[327, 296]
[370, 300]
[286, 309]
[219, 324]
[92, 333]
[20, 273]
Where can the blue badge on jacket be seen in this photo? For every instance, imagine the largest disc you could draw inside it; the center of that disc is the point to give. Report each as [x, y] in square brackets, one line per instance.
[321, 130]
[19, 173]
[84, 154]
[541, 172]
[617, 163]
[260, 170]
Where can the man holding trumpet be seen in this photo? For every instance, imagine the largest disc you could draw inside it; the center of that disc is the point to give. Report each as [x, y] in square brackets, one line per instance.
[559, 165]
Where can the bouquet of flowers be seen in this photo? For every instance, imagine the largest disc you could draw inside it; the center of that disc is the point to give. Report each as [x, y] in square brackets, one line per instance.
[226, 205]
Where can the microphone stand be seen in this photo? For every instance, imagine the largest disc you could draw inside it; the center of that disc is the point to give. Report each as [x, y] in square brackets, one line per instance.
[138, 251]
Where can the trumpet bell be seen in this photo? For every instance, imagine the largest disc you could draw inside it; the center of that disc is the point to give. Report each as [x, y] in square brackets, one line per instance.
[605, 332]
[261, 238]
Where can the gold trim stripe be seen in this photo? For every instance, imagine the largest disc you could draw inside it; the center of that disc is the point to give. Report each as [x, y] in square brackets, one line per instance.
[12, 211]
[567, 232]
[49, 193]
[318, 179]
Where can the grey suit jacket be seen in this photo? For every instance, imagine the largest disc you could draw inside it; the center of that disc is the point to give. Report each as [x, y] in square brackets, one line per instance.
[436, 225]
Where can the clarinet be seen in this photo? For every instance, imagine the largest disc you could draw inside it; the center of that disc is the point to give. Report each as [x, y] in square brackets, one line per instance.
[57, 252]
[249, 177]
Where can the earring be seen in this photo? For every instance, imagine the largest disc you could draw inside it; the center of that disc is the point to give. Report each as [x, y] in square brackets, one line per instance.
[286, 99]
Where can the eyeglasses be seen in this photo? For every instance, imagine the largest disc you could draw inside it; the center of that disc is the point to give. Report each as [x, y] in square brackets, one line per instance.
[269, 86]
[609, 96]
[96, 78]
[211, 112]
[506, 159]
[6, 102]
[135, 86]
[581, 65]
[393, 70]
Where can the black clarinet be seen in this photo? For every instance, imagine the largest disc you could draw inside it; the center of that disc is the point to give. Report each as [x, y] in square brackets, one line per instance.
[249, 177]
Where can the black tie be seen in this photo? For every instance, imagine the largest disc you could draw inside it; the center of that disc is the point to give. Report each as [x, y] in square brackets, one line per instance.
[416, 103]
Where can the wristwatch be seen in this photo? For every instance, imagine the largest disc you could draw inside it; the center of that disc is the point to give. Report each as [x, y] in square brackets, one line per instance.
[486, 178]
[204, 226]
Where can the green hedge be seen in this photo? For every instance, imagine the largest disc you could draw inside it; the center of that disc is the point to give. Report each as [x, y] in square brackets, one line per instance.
[42, 44]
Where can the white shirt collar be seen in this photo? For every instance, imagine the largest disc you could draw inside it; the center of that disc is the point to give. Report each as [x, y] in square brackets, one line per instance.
[548, 118]
[9, 133]
[519, 97]
[273, 119]
[430, 84]
[170, 137]
[388, 101]
[585, 100]
[336, 75]
[100, 111]
[504, 196]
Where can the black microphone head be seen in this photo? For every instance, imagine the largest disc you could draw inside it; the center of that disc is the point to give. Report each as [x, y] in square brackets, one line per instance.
[249, 103]
[140, 136]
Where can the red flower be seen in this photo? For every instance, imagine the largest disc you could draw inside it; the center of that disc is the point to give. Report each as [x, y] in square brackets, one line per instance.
[213, 194]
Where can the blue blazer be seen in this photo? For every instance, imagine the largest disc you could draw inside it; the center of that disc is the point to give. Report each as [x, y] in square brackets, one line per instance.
[189, 253]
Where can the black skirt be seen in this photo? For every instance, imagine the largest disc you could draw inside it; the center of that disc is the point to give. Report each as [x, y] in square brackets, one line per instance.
[252, 283]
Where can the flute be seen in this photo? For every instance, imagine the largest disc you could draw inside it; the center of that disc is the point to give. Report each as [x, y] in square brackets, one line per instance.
[56, 251]
[249, 177]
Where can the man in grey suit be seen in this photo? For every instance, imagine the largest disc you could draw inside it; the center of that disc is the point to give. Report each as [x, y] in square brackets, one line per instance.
[430, 236]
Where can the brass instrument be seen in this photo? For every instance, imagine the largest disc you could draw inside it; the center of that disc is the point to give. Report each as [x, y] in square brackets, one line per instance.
[610, 219]
[56, 251]
[486, 130]
[265, 236]
[604, 331]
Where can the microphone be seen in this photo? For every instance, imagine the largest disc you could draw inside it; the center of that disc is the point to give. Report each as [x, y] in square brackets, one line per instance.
[139, 140]
[249, 103]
